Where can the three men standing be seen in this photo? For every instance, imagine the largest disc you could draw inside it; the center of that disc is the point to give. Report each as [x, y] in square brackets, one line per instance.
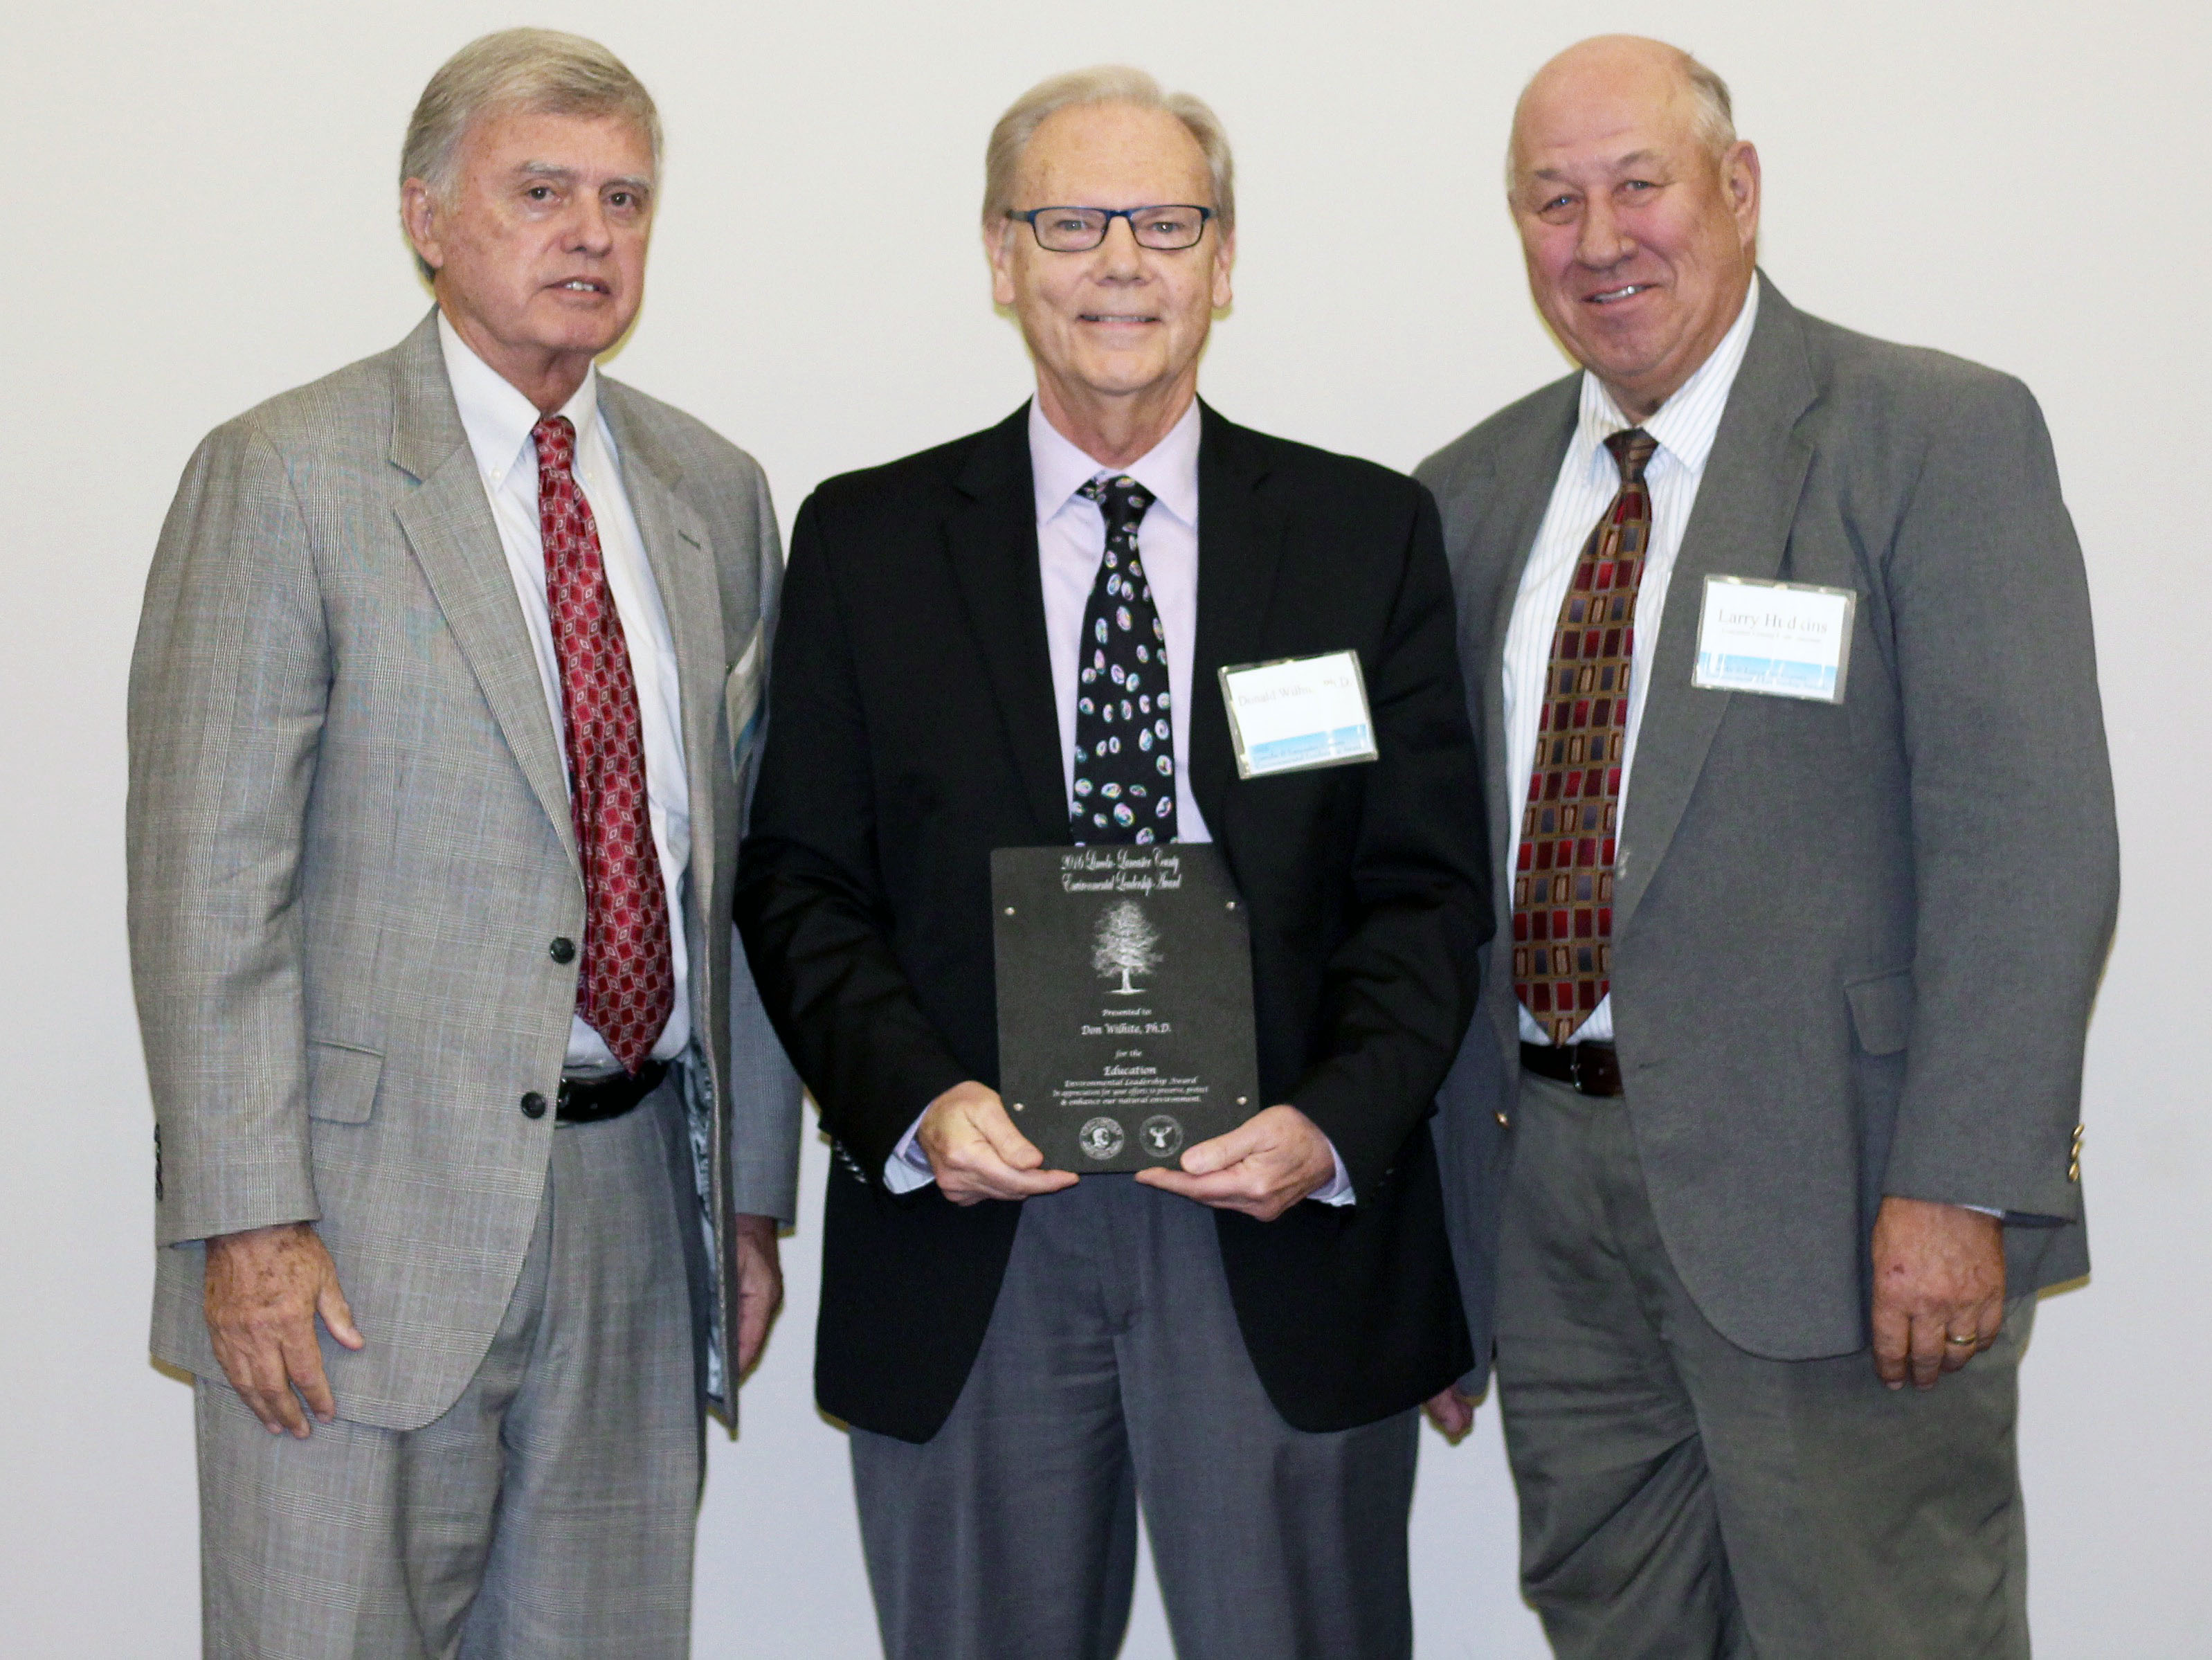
[440, 719]
[1238, 1344]
[1794, 993]
[442, 726]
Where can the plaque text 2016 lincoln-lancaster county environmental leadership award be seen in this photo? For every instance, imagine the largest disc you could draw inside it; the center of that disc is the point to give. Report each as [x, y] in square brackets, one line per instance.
[1125, 1001]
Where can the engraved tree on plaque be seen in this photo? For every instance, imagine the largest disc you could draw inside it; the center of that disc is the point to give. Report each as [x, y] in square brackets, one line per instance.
[1126, 943]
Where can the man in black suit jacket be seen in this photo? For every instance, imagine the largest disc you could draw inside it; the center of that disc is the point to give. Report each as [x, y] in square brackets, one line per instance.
[1023, 1356]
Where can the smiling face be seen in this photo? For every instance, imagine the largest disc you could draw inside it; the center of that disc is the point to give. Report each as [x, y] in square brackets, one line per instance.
[540, 248]
[1121, 325]
[1640, 243]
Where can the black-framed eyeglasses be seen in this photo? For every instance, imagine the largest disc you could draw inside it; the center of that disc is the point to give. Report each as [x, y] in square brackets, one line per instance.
[1078, 230]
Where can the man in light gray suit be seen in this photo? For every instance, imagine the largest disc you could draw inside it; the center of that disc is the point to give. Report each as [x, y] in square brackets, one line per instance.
[441, 722]
[1780, 639]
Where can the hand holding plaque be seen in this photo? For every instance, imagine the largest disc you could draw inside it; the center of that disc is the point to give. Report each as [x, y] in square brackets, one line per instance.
[975, 1153]
[1125, 1001]
[1259, 1168]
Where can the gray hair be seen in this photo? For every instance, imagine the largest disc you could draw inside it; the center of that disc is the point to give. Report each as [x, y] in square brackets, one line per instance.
[518, 71]
[1108, 83]
[1712, 119]
[1712, 116]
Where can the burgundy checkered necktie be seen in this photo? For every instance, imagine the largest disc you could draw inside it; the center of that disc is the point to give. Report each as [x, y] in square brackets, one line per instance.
[1563, 879]
[626, 984]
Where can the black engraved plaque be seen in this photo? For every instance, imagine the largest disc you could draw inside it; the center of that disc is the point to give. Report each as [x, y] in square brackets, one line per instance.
[1125, 1001]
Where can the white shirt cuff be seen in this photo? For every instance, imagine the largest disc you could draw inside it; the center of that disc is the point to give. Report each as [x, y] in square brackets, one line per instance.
[907, 1169]
[1337, 1190]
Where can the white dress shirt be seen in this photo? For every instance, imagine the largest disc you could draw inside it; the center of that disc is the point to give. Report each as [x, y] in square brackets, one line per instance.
[1071, 532]
[1686, 426]
[498, 420]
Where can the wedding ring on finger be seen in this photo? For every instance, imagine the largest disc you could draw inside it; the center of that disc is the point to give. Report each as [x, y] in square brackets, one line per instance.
[1951, 1337]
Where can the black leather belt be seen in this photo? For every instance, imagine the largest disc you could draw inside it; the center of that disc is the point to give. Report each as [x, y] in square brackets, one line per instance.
[1592, 1068]
[591, 1100]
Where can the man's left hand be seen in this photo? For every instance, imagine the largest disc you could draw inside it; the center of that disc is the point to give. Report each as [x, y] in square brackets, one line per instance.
[1939, 1286]
[760, 1287]
[1262, 1167]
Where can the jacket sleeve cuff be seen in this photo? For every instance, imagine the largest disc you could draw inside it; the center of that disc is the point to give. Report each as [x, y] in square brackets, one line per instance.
[242, 1200]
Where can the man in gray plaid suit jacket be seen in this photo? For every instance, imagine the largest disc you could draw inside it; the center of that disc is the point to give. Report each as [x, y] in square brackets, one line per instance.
[442, 719]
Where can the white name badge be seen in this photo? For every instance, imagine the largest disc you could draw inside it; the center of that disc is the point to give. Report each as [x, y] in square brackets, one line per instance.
[1297, 713]
[1784, 639]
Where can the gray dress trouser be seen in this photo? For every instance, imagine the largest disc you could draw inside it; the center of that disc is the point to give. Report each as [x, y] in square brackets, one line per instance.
[1681, 1498]
[1114, 1375]
[548, 1513]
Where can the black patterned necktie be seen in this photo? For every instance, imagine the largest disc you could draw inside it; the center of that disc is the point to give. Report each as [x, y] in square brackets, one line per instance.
[1125, 781]
[1563, 879]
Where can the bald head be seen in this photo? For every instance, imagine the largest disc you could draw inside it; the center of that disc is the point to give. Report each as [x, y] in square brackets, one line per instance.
[1627, 67]
[1638, 211]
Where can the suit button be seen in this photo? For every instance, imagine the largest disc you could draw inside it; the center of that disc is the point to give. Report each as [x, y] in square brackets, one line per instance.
[562, 950]
[1503, 1123]
[533, 1105]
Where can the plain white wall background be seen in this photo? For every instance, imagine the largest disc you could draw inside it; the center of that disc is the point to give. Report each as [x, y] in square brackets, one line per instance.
[203, 214]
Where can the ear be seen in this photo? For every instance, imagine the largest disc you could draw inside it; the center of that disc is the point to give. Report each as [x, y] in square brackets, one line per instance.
[418, 217]
[1224, 259]
[1740, 181]
[999, 249]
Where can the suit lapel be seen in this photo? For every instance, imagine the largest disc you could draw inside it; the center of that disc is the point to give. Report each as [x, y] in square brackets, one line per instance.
[448, 523]
[991, 543]
[1739, 527]
[1240, 542]
[676, 546]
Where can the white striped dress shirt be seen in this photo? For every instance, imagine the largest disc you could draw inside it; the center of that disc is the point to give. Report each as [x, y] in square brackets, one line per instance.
[1686, 426]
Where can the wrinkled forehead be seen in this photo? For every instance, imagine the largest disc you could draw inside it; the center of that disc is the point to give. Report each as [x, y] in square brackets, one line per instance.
[1112, 156]
[598, 145]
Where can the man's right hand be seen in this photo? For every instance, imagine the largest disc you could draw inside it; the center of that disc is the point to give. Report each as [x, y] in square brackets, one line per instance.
[264, 1288]
[976, 1153]
[1451, 1412]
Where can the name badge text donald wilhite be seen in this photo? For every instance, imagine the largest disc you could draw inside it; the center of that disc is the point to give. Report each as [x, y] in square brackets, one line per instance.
[1782, 638]
[1297, 713]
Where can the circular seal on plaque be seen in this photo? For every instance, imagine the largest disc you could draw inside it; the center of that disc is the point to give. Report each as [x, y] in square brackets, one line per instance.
[1100, 1138]
[1162, 1136]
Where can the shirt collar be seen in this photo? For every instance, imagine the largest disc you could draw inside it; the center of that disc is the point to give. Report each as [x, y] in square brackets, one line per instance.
[497, 418]
[1058, 468]
[1686, 424]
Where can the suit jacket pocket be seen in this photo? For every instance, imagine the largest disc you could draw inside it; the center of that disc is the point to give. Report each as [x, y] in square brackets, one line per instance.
[1881, 1011]
[340, 1082]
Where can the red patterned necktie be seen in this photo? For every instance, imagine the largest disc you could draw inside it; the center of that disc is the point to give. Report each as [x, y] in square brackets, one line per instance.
[627, 985]
[1563, 879]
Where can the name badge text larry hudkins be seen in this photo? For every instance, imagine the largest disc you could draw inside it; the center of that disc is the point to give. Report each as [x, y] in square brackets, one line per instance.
[1781, 638]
